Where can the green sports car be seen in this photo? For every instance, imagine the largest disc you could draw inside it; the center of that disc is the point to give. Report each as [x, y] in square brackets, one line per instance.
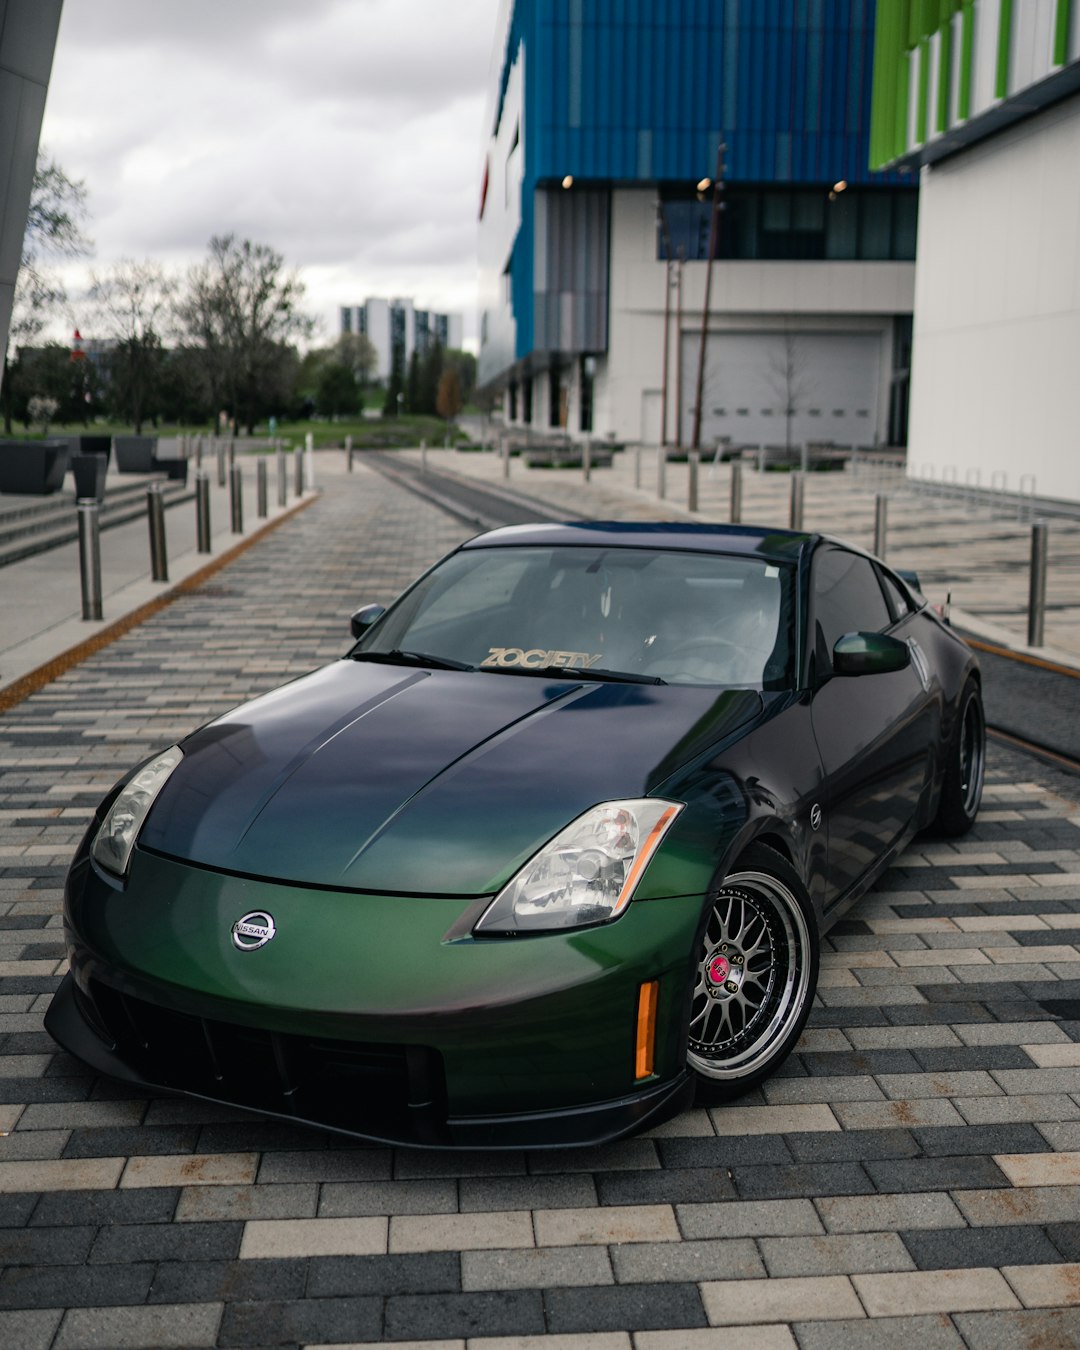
[546, 855]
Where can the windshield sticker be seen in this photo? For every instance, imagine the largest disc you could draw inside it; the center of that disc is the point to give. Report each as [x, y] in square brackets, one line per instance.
[537, 657]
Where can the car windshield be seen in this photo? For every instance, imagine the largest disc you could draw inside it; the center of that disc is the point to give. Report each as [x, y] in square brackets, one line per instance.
[671, 617]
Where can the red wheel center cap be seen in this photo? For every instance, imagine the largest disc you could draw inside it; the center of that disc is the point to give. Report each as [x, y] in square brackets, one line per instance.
[719, 967]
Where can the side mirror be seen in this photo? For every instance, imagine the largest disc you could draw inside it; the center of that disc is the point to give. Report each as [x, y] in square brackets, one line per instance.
[362, 620]
[869, 654]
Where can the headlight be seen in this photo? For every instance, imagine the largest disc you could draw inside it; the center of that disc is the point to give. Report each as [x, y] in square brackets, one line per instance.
[587, 873]
[114, 841]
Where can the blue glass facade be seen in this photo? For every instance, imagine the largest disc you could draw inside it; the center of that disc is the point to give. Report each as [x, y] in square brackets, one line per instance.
[623, 92]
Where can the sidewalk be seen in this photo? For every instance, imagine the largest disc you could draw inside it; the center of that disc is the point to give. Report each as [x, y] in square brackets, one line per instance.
[40, 597]
[982, 560]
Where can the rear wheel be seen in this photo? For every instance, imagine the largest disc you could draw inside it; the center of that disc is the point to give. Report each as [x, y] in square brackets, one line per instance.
[961, 788]
[755, 972]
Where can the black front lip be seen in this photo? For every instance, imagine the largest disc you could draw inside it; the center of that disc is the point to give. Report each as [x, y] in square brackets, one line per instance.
[587, 1126]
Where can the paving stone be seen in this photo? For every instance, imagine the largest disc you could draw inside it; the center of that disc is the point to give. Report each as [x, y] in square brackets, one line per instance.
[15, 1210]
[837, 1254]
[460, 1232]
[197, 1169]
[413, 1164]
[45, 1246]
[852, 1145]
[176, 1325]
[665, 1187]
[427, 1316]
[536, 1268]
[884, 1115]
[625, 1307]
[780, 1300]
[628, 1155]
[200, 1203]
[1066, 1238]
[891, 1213]
[931, 1332]
[1022, 1107]
[725, 1151]
[801, 1179]
[757, 1120]
[29, 1145]
[300, 1321]
[570, 1227]
[106, 1207]
[411, 1273]
[1009, 1245]
[1039, 1205]
[1041, 1169]
[935, 1174]
[1011, 1330]
[950, 1291]
[167, 1242]
[969, 1139]
[64, 1174]
[749, 1218]
[309, 1237]
[711, 1338]
[29, 1330]
[346, 1198]
[227, 1281]
[730, 1258]
[506, 1193]
[74, 1286]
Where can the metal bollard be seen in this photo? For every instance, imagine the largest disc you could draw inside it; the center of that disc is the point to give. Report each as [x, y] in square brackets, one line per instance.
[798, 493]
[804, 457]
[761, 459]
[89, 515]
[155, 514]
[586, 461]
[298, 471]
[202, 512]
[736, 492]
[198, 452]
[423, 456]
[236, 503]
[221, 464]
[637, 466]
[661, 471]
[506, 459]
[262, 508]
[1040, 541]
[309, 460]
[881, 523]
[348, 452]
[693, 461]
[282, 477]
[232, 455]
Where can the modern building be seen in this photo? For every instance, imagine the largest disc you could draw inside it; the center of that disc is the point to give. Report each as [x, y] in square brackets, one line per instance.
[984, 95]
[397, 325]
[604, 123]
[27, 41]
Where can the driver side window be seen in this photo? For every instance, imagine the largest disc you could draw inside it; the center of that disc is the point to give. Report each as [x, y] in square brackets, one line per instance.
[847, 597]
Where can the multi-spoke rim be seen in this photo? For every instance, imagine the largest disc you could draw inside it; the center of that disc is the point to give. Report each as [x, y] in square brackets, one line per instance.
[972, 756]
[752, 976]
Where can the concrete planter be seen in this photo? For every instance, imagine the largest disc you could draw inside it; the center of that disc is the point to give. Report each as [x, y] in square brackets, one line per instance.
[90, 445]
[135, 454]
[33, 468]
[89, 473]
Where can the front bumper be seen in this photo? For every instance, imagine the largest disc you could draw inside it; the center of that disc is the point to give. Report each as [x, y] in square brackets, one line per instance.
[378, 1016]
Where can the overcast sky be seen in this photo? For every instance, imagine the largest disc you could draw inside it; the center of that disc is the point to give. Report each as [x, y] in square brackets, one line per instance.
[347, 134]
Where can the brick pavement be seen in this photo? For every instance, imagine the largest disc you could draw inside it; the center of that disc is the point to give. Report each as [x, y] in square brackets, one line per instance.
[912, 1175]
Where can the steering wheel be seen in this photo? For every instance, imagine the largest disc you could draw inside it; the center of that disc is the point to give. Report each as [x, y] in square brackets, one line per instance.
[702, 660]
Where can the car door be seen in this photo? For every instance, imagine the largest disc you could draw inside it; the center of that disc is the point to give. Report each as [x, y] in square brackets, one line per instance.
[873, 731]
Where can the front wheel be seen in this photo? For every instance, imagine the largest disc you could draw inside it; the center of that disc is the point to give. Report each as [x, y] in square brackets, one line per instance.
[755, 973]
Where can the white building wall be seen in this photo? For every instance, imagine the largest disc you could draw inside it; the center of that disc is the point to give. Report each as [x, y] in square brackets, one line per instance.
[997, 309]
[819, 302]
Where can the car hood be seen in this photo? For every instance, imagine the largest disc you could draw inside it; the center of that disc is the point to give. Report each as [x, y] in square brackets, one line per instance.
[377, 777]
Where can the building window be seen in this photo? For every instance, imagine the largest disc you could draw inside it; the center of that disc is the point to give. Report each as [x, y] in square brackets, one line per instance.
[795, 224]
[588, 381]
[526, 400]
[346, 319]
[513, 392]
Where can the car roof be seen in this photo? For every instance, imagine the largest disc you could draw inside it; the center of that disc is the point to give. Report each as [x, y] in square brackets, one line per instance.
[750, 540]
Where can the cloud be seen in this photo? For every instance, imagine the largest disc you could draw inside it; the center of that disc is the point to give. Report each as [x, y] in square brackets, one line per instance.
[345, 133]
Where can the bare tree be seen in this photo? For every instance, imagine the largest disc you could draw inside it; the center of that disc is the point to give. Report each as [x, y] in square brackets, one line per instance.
[54, 229]
[789, 379]
[240, 310]
[132, 301]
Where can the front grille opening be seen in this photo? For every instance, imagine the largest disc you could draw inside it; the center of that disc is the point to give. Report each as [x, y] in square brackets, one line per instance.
[396, 1091]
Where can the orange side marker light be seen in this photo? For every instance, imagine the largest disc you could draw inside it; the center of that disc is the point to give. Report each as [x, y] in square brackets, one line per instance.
[646, 1029]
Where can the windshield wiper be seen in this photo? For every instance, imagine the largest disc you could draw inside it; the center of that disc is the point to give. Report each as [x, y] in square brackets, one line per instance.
[570, 673]
[397, 657]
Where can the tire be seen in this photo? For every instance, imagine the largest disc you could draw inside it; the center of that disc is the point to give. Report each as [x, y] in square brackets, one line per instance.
[965, 765]
[755, 970]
